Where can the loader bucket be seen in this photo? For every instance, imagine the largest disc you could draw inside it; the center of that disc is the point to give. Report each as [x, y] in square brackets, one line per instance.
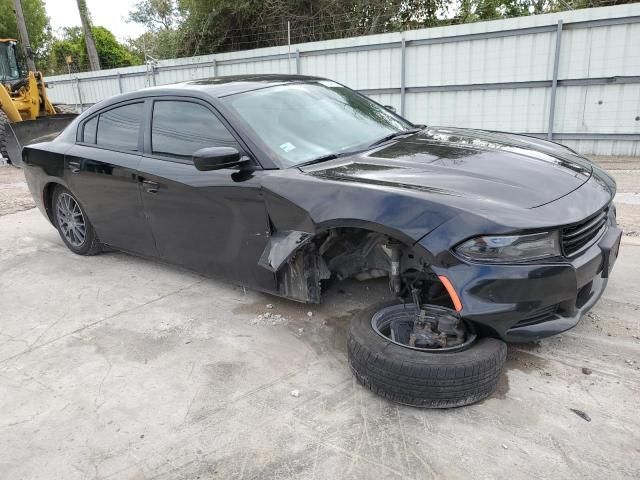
[42, 129]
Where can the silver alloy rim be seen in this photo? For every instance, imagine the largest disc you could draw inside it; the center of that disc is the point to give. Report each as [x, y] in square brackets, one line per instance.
[71, 220]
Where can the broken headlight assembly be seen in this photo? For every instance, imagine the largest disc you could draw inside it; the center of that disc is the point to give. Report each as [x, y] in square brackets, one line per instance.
[511, 248]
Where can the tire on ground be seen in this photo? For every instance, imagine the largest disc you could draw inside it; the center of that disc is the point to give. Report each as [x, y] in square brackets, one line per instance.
[422, 379]
[91, 244]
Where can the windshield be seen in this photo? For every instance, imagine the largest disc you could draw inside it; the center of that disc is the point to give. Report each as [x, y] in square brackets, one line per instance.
[303, 121]
[8, 63]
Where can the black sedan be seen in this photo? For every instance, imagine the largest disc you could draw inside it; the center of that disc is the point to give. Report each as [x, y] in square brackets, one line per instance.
[285, 183]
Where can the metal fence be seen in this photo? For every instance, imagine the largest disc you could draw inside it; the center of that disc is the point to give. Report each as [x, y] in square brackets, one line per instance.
[573, 77]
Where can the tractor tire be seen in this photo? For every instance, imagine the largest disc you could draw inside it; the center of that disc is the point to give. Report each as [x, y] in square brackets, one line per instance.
[420, 378]
[65, 108]
[4, 132]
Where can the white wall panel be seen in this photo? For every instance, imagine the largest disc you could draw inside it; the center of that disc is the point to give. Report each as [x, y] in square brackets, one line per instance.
[598, 108]
[516, 110]
[507, 59]
[600, 52]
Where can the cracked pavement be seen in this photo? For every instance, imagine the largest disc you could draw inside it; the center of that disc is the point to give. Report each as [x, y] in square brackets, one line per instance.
[118, 367]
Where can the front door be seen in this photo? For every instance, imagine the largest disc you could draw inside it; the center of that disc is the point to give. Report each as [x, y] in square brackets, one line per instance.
[212, 222]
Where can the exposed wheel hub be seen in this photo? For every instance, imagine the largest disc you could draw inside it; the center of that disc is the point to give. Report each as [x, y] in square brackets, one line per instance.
[436, 327]
[428, 327]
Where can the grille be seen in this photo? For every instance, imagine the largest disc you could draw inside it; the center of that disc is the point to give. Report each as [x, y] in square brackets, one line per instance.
[538, 316]
[580, 236]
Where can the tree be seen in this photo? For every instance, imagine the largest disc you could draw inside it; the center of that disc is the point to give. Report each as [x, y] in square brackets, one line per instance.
[225, 25]
[111, 53]
[37, 21]
[92, 52]
[162, 18]
[156, 14]
[193, 27]
[159, 44]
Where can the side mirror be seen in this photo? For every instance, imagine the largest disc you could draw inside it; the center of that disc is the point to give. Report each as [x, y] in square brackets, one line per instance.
[390, 108]
[216, 158]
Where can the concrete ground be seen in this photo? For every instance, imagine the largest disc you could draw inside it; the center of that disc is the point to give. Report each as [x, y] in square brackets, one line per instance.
[113, 367]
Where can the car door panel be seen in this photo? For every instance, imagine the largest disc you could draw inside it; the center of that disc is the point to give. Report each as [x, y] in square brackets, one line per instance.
[212, 222]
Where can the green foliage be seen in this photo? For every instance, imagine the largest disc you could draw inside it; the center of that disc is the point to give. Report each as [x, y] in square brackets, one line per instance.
[112, 54]
[156, 14]
[192, 27]
[479, 10]
[157, 44]
[224, 25]
[37, 23]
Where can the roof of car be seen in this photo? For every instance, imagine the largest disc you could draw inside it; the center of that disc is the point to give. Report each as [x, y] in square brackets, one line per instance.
[227, 85]
[212, 87]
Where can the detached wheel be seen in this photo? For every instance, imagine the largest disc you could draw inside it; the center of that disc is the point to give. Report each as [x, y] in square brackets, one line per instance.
[420, 377]
[73, 224]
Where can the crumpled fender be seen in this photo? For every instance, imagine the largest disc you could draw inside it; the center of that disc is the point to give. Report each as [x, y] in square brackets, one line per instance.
[282, 245]
[303, 206]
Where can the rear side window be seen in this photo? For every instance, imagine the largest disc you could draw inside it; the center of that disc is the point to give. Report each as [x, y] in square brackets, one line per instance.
[119, 127]
[181, 128]
[89, 135]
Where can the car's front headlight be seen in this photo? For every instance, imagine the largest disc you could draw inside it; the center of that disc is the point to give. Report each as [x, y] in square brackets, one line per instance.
[511, 248]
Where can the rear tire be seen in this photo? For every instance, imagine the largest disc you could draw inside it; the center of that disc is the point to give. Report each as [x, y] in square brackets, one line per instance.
[4, 132]
[419, 378]
[73, 224]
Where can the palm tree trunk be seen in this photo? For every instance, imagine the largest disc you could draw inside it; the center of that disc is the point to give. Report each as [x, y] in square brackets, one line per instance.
[92, 52]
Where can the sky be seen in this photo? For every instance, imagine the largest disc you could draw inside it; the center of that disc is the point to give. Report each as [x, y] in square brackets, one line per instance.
[110, 14]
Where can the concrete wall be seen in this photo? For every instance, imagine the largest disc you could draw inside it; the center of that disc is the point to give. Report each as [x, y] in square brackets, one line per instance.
[571, 76]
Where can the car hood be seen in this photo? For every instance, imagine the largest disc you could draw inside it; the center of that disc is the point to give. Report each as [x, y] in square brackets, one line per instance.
[491, 166]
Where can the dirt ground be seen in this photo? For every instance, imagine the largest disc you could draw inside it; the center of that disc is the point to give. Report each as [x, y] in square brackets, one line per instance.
[14, 194]
[114, 367]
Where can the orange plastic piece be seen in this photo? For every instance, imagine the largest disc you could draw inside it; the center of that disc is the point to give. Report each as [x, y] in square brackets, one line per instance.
[457, 304]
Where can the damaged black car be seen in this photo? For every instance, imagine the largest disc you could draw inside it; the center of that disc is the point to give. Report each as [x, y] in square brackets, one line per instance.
[282, 183]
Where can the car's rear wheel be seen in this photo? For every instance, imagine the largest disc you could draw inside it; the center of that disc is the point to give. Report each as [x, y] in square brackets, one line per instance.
[421, 377]
[73, 224]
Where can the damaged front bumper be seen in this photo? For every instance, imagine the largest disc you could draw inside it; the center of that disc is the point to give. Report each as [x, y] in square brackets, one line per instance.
[525, 302]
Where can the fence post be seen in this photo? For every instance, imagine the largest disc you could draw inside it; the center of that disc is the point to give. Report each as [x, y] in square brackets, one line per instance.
[554, 81]
[403, 64]
[297, 62]
[79, 94]
[215, 68]
[119, 82]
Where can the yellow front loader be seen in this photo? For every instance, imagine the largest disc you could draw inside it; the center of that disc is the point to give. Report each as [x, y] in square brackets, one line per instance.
[26, 114]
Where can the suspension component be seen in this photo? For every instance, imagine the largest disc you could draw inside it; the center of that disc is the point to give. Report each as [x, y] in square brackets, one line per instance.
[395, 282]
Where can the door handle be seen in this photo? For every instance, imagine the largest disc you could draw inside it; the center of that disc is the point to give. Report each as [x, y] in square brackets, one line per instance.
[149, 186]
[74, 167]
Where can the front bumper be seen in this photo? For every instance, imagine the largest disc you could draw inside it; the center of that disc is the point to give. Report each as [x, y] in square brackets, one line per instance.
[525, 302]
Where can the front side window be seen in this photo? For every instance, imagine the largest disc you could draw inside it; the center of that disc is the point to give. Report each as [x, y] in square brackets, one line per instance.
[304, 121]
[181, 128]
[119, 127]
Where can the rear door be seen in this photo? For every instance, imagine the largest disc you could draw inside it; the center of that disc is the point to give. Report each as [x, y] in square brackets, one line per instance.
[102, 173]
[213, 222]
